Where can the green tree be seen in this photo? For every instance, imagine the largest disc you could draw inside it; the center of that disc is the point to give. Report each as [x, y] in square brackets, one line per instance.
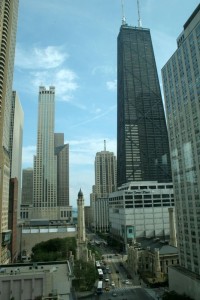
[85, 275]
[174, 296]
[54, 249]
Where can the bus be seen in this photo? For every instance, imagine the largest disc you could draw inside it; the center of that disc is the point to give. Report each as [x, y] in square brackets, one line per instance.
[98, 266]
[100, 273]
[100, 287]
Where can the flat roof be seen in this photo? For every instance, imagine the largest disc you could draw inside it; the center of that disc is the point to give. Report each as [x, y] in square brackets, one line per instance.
[33, 267]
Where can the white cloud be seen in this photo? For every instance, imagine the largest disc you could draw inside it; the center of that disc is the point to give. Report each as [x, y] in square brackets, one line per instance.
[111, 85]
[40, 58]
[46, 67]
[27, 155]
[64, 80]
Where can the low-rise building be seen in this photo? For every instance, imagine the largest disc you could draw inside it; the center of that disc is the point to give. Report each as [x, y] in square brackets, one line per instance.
[140, 209]
[36, 280]
[151, 258]
[37, 231]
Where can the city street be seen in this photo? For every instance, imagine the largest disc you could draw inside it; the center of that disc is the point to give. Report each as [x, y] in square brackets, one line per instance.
[126, 293]
[116, 283]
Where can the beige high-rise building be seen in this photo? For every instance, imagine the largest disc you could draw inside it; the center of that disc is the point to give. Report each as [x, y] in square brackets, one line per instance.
[45, 161]
[8, 28]
[105, 173]
[105, 183]
[51, 165]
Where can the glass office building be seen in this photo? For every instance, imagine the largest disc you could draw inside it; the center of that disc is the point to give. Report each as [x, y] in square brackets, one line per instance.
[142, 139]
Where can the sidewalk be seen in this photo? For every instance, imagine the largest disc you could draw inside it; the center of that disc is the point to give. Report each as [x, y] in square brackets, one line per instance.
[156, 293]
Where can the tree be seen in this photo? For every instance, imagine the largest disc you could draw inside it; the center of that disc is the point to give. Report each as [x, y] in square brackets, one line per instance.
[174, 296]
[85, 275]
[54, 249]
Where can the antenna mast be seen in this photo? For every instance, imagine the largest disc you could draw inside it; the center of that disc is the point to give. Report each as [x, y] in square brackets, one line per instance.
[139, 19]
[104, 145]
[123, 17]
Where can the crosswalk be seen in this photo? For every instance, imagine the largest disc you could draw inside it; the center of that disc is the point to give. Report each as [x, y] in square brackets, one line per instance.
[123, 289]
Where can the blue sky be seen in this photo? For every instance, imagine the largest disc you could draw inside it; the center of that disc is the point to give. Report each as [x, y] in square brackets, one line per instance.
[72, 44]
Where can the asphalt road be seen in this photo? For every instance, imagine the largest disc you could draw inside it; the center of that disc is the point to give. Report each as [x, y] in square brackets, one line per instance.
[131, 293]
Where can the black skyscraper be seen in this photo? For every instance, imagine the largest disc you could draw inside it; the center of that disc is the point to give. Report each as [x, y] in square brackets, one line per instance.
[142, 139]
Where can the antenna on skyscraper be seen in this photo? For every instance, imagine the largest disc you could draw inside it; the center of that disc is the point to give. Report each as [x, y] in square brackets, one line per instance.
[123, 16]
[104, 145]
[139, 19]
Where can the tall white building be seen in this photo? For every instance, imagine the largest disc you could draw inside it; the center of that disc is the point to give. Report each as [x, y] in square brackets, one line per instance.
[16, 138]
[8, 28]
[181, 82]
[45, 161]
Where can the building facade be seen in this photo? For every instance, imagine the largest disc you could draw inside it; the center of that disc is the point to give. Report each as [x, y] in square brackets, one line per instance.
[36, 281]
[101, 215]
[105, 173]
[142, 140]
[151, 258]
[8, 28]
[140, 209]
[12, 218]
[27, 186]
[181, 82]
[62, 154]
[45, 161]
[15, 145]
[105, 183]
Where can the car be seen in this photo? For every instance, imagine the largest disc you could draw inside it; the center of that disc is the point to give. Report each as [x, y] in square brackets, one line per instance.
[127, 282]
[106, 279]
[114, 295]
[113, 284]
[107, 289]
[109, 272]
[107, 268]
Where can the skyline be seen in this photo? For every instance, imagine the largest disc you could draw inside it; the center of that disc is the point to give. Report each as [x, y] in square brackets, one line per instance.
[83, 70]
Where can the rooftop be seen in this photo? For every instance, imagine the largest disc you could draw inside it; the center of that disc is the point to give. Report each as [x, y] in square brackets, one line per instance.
[161, 243]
